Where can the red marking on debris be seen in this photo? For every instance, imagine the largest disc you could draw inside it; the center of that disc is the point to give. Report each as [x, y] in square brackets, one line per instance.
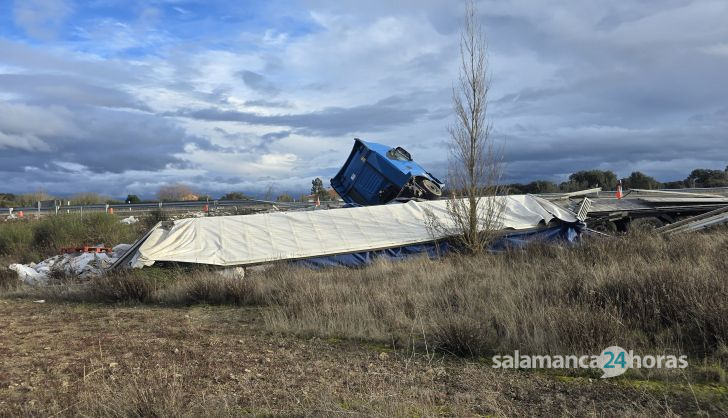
[85, 249]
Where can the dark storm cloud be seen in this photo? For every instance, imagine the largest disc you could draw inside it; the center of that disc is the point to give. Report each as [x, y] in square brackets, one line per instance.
[268, 103]
[60, 89]
[273, 136]
[102, 140]
[386, 113]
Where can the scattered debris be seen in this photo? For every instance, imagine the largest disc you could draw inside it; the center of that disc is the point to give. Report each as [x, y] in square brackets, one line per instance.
[84, 265]
[697, 223]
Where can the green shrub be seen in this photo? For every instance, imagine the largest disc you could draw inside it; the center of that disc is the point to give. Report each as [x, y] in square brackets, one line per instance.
[153, 218]
[26, 241]
[15, 238]
[55, 232]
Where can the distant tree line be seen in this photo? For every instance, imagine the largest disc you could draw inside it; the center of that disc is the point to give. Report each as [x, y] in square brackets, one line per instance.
[580, 180]
[607, 180]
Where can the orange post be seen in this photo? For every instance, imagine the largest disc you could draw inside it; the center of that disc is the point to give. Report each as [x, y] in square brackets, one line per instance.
[111, 211]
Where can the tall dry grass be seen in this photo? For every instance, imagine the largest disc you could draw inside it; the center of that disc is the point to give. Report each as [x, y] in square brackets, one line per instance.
[641, 292]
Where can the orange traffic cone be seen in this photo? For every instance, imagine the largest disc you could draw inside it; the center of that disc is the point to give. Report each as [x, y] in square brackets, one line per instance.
[206, 208]
[619, 190]
[21, 214]
[111, 211]
[318, 201]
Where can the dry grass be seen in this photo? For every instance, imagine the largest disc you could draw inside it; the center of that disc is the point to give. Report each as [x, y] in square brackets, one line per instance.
[156, 347]
[134, 361]
[641, 292]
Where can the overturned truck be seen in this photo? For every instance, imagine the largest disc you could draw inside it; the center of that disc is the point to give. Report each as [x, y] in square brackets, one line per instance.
[375, 174]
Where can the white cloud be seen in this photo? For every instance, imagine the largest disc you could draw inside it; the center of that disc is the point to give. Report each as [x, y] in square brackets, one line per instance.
[23, 142]
[41, 19]
[716, 49]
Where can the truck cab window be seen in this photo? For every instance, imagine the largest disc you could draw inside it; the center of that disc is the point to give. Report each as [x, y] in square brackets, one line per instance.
[399, 154]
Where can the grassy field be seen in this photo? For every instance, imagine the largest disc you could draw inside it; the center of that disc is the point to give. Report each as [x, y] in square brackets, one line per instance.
[406, 338]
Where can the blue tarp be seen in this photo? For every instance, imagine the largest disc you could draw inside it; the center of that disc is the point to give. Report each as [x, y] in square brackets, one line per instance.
[564, 233]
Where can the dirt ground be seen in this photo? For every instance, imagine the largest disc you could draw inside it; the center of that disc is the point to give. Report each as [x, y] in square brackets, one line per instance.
[81, 359]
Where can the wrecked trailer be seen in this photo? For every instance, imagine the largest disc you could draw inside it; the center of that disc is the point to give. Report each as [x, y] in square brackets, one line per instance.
[344, 236]
[375, 174]
[639, 208]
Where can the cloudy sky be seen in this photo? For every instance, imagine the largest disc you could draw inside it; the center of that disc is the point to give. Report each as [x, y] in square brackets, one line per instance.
[122, 96]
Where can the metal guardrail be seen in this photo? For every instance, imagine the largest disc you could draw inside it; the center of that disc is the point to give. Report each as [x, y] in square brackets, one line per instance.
[131, 209]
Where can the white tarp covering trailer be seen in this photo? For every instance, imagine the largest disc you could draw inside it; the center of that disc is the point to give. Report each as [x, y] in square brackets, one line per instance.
[299, 235]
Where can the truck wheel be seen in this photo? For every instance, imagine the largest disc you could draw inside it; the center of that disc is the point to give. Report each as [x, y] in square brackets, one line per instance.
[432, 190]
[606, 227]
[645, 224]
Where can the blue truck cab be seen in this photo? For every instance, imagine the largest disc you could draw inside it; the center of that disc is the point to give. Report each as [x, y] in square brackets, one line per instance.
[375, 174]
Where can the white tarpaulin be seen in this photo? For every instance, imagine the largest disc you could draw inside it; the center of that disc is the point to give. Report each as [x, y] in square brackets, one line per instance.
[259, 238]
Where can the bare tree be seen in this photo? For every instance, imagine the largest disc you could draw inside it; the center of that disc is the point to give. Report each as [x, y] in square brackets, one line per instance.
[269, 192]
[475, 165]
[89, 199]
[174, 192]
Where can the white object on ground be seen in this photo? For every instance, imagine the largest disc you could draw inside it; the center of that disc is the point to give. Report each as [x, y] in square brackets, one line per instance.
[28, 274]
[130, 220]
[119, 250]
[233, 273]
